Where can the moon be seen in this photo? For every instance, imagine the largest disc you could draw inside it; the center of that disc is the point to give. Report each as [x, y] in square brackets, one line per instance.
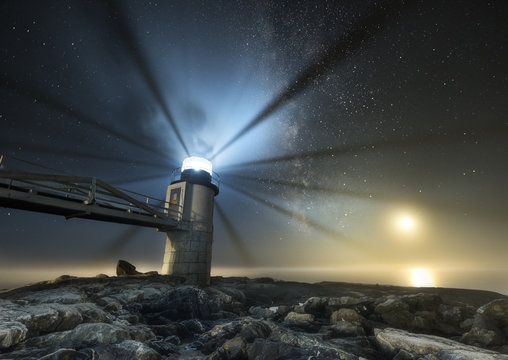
[406, 223]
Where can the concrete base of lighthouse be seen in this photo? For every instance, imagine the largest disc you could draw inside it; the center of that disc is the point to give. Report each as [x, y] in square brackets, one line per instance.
[189, 254]
[190, 200]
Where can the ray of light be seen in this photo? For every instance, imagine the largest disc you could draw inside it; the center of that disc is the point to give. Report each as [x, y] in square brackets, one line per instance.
[304, 220]
[331, 57]
[140, 179]
[40, 97]
[487, 213]
[238, 242]
[116, 245]
[127, 35]
[39, 149]
[451, 136]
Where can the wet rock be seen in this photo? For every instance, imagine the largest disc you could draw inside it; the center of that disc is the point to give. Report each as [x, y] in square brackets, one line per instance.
[125, 268]
[11, 333]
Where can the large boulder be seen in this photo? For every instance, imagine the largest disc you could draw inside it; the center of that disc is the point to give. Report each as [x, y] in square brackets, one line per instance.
[489, 326]
[392, 341]
[41, 318]
[125, 268]
[232, 349]
[11, 333]
[395, 313]
[293, 316]
[496, 312]
[348, 315]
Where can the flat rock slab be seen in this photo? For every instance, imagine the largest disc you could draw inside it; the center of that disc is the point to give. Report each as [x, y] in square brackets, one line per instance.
[392, 341]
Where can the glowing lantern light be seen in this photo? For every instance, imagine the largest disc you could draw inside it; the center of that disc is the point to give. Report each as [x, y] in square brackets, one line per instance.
[197, 163]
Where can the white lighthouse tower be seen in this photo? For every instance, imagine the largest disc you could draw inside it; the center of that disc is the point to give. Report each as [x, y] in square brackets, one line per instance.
[190, 197]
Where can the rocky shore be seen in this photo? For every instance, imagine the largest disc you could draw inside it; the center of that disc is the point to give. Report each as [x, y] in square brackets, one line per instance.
[160, 317]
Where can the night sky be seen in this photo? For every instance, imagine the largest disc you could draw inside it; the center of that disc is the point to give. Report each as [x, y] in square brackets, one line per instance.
[355, 141]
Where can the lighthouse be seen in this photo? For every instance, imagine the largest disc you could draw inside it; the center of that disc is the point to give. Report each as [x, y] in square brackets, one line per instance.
[190, 200]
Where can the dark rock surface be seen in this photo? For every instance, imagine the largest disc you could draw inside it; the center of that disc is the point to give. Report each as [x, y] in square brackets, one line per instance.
[161, 317]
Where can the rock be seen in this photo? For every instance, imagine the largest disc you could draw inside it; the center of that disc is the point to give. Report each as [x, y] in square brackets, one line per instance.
[236, 294]
[148, 317]
[42, 318]
[11, 333]
[233, 349]
[395, 313]
[315, 306]
[454, 319]
[482, 337]
[299, 321]
[127, 349]
[62, 295]
[392, 341]
[254, 329]
[91, 313]
[190, 328]
[261, 313]
[61, 278]
[348, 315]
[292, 316]
[262, 349]
[404, 355]
[125, 268]
[343, 301]
[66, 354]
[489, 325]
[182, 303]
[496, 312]
[309, 345]
[346, 329]
[84, 335]
[164, 347]
[422, 302]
